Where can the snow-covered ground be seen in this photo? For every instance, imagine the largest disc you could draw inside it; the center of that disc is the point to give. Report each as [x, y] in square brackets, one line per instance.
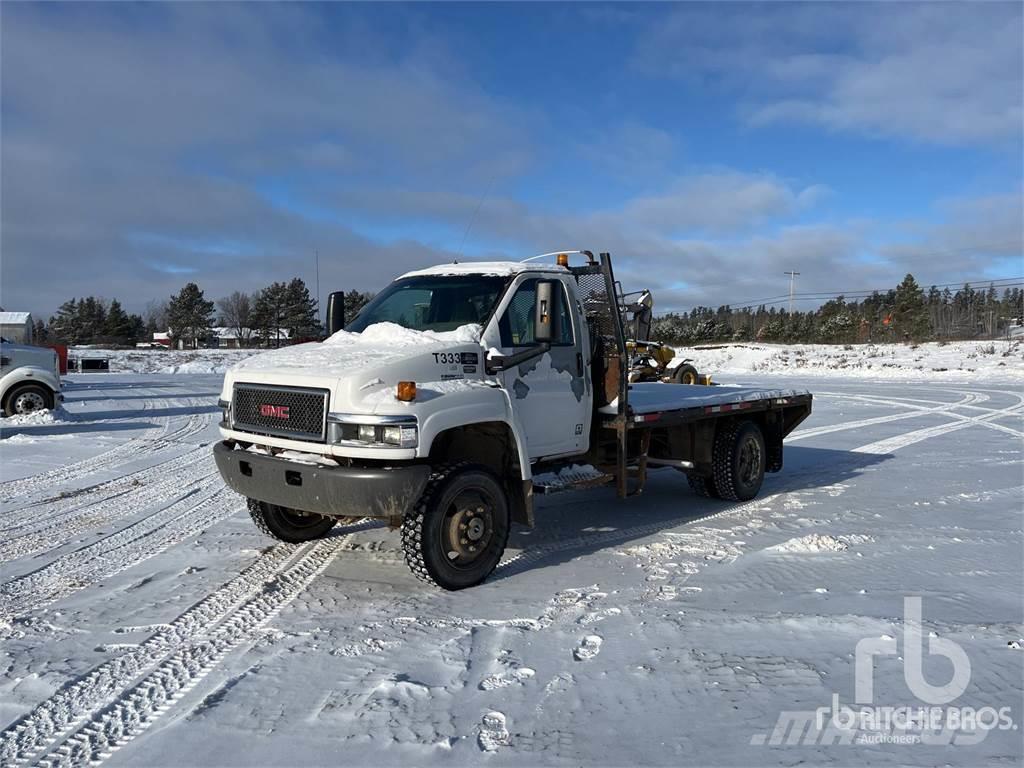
[145, 620]
[960, 360]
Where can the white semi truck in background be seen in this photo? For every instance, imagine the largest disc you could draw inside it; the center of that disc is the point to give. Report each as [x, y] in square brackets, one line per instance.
[29, 379]
[462, 390]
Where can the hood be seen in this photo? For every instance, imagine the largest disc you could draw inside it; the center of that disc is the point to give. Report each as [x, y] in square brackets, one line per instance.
[362, 369]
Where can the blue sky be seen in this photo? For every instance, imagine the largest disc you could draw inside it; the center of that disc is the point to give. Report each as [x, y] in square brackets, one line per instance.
[709, 146]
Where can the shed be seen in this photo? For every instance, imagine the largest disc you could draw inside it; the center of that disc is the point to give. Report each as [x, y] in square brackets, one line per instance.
[16, 326]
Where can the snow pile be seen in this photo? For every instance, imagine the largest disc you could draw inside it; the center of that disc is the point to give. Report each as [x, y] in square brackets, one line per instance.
[1003, 359]
[45, 416]
[345, 351]
[817, 542]
[394, 335]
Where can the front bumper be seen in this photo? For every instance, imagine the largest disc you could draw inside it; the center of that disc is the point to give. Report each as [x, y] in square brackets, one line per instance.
[330, 491]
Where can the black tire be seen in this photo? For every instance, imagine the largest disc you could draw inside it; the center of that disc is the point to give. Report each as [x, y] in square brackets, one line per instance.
[685, 374]
[739, 460]
[286, 524]
[26, 398]
[703, 486]
[457, 532]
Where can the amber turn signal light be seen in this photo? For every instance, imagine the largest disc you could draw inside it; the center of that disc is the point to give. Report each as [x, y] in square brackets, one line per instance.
[406, 391]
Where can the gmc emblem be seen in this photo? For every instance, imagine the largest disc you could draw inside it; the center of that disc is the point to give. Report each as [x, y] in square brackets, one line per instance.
[274, 411]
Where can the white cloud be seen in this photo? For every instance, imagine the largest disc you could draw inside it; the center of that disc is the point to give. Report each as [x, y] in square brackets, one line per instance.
[939, 72]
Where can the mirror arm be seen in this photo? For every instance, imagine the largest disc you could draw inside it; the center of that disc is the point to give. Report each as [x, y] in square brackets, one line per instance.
[499, 364]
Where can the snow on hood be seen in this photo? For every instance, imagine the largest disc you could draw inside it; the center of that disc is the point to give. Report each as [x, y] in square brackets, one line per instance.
[345, 351]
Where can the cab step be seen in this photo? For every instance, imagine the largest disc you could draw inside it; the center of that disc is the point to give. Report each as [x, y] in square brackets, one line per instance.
[570, 479]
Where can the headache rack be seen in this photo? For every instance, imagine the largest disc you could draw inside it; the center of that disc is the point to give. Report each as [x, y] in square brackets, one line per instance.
[603, 305]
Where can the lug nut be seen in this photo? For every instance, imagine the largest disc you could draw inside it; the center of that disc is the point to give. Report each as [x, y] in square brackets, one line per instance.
[464, 541]
[472, 549]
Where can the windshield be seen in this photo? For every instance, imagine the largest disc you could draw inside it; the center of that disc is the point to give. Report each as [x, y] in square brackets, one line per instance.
[432, 303]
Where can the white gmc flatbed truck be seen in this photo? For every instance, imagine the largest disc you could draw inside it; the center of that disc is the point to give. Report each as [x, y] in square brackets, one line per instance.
[460, 391]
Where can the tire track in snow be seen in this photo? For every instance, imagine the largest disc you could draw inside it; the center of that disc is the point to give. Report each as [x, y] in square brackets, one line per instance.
[910, 438]
[116, 701]
[114, 553]
[52, 526]
[152, 440]
[917, 411]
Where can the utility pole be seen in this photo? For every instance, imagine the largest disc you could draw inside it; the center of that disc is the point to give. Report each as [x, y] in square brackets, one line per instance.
[316, 256]
[792, 278]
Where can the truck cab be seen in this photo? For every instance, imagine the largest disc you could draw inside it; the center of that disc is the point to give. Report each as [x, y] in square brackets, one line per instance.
[438, 403]
[29, 379]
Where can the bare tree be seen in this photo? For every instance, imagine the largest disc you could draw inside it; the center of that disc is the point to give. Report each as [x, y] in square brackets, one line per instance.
[236, 314]
[155, 315]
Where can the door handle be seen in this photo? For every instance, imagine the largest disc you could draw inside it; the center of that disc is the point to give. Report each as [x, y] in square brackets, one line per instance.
[579, 363]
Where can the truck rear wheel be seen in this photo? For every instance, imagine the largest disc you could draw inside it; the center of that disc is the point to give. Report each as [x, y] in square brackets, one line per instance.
[738, 461]
[457, 532]
[287, 524]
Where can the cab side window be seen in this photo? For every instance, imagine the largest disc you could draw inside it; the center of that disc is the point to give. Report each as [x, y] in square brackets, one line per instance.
[516, 325]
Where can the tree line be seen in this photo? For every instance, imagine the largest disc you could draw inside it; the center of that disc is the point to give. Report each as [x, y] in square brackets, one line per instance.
[283, 312]
[904, 313]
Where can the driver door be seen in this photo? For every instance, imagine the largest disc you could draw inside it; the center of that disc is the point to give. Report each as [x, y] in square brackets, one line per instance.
[548, 392]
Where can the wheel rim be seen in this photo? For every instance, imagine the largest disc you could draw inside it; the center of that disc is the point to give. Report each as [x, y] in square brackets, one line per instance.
[297, 520]
[689, 378]
[749, 465]
[468, 527]
[27, 402]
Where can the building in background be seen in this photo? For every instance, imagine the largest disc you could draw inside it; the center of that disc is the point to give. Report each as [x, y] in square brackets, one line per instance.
[16, 326]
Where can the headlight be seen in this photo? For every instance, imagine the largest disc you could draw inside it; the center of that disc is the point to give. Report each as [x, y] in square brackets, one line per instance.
[397, 431]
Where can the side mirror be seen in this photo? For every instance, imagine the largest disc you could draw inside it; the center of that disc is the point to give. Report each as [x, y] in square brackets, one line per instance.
[545, 322]
[335, 312]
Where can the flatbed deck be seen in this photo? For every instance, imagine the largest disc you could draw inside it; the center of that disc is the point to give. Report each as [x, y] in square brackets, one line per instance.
[646, 398]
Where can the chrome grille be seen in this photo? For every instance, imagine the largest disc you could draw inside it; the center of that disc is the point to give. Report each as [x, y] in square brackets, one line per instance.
[280, 411]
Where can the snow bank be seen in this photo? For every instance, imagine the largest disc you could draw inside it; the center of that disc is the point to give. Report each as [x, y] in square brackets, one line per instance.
[997, 359]
[56, 416]
[171, 361]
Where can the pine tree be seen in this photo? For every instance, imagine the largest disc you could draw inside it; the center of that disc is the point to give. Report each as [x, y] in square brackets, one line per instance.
[269, 312]
[909, 312]
[190, 315]
[39, 333]
[355, 301]
[64, 325]
[118, 326]
[300, 317]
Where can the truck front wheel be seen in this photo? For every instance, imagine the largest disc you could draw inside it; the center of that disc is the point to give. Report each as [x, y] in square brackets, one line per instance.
[457, 532]
[739, 460]
[287, 524]
[27, 398]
